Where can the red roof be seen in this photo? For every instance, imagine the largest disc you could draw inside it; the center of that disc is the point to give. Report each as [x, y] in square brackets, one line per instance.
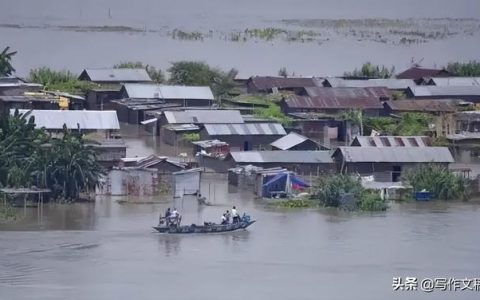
[417, 73]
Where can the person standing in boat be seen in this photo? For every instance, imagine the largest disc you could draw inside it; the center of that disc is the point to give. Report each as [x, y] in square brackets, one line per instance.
[167, 216]
[227, 216]
[235, 217]
[175, 217]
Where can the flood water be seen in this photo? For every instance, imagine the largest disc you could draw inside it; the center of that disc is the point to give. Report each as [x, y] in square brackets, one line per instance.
[107, 250]
[61, 33]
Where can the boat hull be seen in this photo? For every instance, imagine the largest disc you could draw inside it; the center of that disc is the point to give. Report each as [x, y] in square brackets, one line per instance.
[213, 228]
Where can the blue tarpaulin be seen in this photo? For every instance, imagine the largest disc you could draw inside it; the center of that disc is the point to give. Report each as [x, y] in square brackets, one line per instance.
[282, 183]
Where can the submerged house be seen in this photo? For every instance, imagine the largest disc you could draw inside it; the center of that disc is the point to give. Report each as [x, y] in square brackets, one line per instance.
[453, 81]
[186, 96]
[104, 123]
[466, 93]
[301, 162]
[244, 137]
[394, 84]
[387, 164]
[337, 100]
[172, 123]
[435, 107]
[417, 73]
[391, 141]
[11, 86]
[295, 141]
[269, 84]
[115, 76]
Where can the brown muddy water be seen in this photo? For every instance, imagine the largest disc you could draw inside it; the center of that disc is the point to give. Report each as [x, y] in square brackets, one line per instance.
[108, 250]
[321, 37]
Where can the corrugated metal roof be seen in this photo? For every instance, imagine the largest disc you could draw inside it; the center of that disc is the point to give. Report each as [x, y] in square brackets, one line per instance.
[455, 81]
[209, 143]
[379, 93]
[263, 83]
[390, 83]
[85, 119]
[396, 154]
[391, 141]
[146, 91]
[245, 129]
[290, 140]
[19, 84]
[423, 105]
[35, 98]
[431, 90]
[116, 75]
[417, 73]
[204, 116]
[300, 157]
[340, 98]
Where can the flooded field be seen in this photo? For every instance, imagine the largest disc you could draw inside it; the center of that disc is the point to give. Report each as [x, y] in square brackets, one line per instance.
[307, 37]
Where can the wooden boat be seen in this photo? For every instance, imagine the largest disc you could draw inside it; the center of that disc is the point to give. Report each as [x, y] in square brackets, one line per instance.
[206, 228]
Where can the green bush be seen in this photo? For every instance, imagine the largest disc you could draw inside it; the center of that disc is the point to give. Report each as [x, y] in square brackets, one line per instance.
[438, 180]
[329, 189]
[471, 68]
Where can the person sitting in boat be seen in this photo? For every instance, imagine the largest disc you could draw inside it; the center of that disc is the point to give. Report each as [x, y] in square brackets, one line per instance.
[224, 220]
[167, 216]
[235, 216]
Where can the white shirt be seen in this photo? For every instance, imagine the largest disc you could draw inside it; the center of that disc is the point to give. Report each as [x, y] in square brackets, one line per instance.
[234, 212]
[224, 218]
[174, 214]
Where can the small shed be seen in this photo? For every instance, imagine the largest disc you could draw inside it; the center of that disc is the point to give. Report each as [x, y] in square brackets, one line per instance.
[295, 141]
[115, 76]
[211, 147]
[246, 136]
[186, 96]
[300, 162]
[187, 182]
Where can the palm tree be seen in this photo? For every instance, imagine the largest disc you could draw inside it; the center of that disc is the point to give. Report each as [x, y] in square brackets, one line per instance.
[6, 68]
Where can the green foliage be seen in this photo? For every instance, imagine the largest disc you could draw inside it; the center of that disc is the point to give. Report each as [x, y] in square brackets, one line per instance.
[471, 68]
[259, 99]
[29, 156]
[155, 74]
[273, 112]
[440, 141]
[283, 72]
[200, 74]
[439, 180]
[397, 95]
[191, 137]
[47, 76]
[7, 212]
[371, 201]
[296, 203]
[329, 189]
[372, 71]
[267, 34]
[6, 68]
[63, 80]
[407, 124]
